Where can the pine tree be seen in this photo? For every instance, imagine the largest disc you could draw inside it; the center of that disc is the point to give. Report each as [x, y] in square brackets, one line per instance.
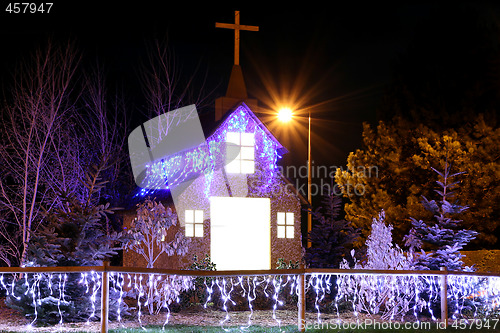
[74, 234]
[400, 155]
[444, 237]
[331, 237]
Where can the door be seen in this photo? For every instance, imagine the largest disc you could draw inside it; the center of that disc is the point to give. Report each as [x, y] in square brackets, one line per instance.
[240, 234]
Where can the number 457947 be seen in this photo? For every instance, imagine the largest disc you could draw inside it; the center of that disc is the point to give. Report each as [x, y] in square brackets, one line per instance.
[28, 7]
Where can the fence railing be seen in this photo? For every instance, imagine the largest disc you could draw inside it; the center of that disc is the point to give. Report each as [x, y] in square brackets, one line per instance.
[347, 281]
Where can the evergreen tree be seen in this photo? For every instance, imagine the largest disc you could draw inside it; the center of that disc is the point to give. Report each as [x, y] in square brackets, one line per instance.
[451, 93]
[400, 154]
[443, 237]
[75, 234]
[331, 237]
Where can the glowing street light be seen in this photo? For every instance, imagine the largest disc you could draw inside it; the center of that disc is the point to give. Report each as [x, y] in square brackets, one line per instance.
[285, 115]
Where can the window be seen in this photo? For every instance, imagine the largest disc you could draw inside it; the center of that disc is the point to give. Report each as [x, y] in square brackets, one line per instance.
[285, 225]
[241, 145]
[194, 223]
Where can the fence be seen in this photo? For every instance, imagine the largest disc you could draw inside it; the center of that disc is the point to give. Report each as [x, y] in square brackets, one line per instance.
[398, 291]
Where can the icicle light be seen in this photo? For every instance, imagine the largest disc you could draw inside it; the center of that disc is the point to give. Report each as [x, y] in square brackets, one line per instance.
[469, 296]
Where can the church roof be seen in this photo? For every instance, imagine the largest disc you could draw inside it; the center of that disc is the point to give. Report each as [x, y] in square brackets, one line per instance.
[235, 100]
[210, 127]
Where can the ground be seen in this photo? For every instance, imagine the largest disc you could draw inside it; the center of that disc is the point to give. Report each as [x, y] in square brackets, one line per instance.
[13, 321]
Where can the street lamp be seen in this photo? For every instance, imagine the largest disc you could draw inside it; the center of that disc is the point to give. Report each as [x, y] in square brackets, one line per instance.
[285, 115]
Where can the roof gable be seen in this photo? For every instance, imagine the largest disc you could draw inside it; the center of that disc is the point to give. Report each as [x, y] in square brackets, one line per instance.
[239, 119]
[242, 110]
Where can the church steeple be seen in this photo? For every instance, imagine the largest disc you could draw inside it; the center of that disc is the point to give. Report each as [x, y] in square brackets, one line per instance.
[236, 87]
[236, 90]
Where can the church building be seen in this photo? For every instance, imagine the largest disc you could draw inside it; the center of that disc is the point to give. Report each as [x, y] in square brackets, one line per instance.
[245, 215]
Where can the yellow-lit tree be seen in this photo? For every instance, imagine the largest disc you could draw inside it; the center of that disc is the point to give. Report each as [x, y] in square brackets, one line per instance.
[403, 154]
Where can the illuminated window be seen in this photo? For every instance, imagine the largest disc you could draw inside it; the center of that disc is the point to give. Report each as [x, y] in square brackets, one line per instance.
[285, 225]
[194, 223]
[243, 146]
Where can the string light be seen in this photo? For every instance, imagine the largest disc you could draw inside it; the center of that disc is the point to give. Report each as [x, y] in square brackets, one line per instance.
[205, 159]
[417, 292]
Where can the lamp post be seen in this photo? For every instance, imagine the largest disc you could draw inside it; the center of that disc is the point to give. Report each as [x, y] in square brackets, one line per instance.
[309, 197]
[285, 115]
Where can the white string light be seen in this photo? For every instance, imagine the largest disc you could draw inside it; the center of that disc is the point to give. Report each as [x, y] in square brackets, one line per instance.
[418, 293]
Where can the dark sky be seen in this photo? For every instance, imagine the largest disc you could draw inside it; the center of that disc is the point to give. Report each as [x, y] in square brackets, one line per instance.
[337, 59]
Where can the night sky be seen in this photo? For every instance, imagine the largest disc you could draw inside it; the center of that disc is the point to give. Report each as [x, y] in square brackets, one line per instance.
[338, 60]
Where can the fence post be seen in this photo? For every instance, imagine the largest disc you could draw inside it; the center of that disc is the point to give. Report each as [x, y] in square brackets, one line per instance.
[104, 297]
[301, 304]
[444, 297]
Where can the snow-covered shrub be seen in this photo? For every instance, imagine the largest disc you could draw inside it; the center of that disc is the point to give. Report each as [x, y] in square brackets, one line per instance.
[387, 295]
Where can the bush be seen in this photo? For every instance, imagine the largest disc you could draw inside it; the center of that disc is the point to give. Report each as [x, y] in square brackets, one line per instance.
[197, 294]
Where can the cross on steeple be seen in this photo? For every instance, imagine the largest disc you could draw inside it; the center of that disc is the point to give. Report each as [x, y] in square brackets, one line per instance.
[237, 27]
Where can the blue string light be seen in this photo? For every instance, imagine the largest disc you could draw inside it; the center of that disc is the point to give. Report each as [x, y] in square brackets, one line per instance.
[204, 160]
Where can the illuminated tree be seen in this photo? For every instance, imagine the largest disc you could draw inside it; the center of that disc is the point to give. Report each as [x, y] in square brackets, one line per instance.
[32, 135]
[380, 294]
[443, 237]
[394, 188]
[381, 252]
[447, 97]
[149, 237]
[54, 126]
[73, 234]
[148, 233]
[403, 154]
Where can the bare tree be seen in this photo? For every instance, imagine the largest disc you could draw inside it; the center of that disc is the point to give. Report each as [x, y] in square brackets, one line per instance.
[105, 124]
[56, 123]
[34, 116]
[55, 127]
[149, 236]
[148, 233]
[165, 86]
